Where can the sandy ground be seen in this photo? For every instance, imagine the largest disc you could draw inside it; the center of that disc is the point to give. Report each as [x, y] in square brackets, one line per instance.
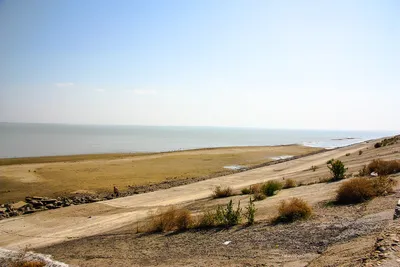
[96, 174]
[103, 233]
[55, 226]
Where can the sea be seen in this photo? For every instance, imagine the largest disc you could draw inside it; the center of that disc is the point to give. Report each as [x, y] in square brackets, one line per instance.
[36, 139]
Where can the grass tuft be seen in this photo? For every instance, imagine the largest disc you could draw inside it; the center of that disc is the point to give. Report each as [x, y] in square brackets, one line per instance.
[170, 220]
[271, 187]
[220, 192]
[293, 210]
[289, 183]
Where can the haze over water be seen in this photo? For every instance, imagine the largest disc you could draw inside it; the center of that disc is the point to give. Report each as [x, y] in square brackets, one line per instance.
[24, 140]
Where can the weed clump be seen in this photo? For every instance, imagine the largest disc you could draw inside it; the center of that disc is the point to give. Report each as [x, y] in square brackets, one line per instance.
[293, 210]
[170, 220]
[289, 183]
[246, 191]
[354, 191]
[259, 196]
[358, 190]
[271, 187]
[220, 192]
[222, 216]
[250, 212]
[337, 169]
[384, 167]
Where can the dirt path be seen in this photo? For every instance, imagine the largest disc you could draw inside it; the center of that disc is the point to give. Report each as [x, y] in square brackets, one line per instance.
[60, 225]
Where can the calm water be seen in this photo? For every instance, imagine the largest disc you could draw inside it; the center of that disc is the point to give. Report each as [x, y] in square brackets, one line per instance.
[22, 139]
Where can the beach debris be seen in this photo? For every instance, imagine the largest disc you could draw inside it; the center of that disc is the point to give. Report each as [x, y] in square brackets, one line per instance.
[235, 167]
[227, 243]
[374, 174]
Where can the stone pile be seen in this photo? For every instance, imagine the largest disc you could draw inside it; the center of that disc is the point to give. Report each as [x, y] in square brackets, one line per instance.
[35, 203]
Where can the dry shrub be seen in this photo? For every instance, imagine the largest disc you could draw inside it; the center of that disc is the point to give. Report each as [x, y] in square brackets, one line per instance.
[255, 188]
[259, 196]
[356, 190]
[170, 220]
[383, 185]
[384, 167]
[293, 210]
[33, 264]
[220, 192]
[289, 183]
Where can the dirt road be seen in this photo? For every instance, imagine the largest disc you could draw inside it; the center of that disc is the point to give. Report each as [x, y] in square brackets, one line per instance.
[55, 226]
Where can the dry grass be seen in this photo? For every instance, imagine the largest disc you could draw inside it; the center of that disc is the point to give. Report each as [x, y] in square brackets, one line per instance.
[256, 188]
[384, 167]
[293, 210]
[259, 196]
[220, 192]
[358, 190]
[99, 173]
[289, 183]
[171, 219]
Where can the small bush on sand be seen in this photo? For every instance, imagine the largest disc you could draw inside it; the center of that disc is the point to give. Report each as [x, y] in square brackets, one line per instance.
[348, 154]
[337, 169]
[222, 216]
[289, 183]
[246, 191]
[384, 167]
[220, 192]
[250, 212]
[271, 187]
[259, 196]
[354, 191]
[360, 152]
[378, 145]
[293, 209]
[314, 168]
[255, 188]
[170, 220]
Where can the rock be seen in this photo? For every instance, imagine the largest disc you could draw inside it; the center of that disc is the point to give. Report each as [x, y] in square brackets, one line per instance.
[36, 203]
[51, 206]
[38, 198]
[19, 205]
[3, 210]
[49, 201]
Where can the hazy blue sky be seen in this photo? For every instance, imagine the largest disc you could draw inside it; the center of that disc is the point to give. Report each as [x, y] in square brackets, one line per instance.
[275, 64]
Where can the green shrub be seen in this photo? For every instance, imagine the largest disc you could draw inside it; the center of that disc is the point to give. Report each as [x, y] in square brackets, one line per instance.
[220, 192]
[292, 210]
[250, 212]
[337, 169]
[228, 216]
[289, 183]
[271, 187]
[246, 191]
[384, 167]
[354, 191]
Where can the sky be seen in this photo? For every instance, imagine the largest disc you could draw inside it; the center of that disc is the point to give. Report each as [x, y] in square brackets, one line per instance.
[270, 64]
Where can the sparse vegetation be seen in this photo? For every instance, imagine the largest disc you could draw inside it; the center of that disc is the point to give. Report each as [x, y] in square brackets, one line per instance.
[292, 210]
[250, 212]
[170, 220]
[220, 192]
[383, 185]
[383, 167]
[289, 183]
[363, 171]
[388, 141]
[337, 169]
[271, 187]
[246, 191]
[360, 152]
[348, 154]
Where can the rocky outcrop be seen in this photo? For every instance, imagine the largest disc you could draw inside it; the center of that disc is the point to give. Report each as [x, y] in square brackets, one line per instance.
[397, 211]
